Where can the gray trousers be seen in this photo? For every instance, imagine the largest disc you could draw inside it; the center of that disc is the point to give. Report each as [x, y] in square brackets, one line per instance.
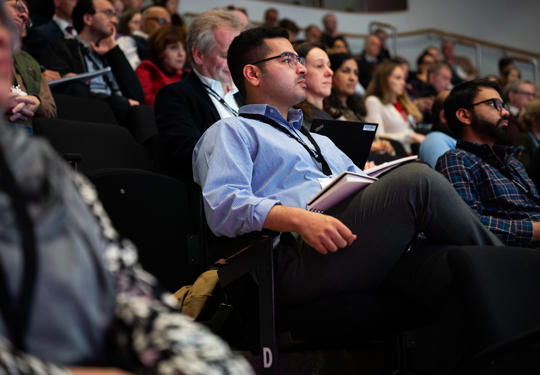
[386, 216]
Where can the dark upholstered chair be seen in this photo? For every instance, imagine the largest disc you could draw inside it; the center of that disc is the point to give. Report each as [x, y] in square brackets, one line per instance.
[93, 146]
[75, 108]
[154, 212]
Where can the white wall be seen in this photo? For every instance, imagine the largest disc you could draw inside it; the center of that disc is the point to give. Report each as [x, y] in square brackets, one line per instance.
[501, 21]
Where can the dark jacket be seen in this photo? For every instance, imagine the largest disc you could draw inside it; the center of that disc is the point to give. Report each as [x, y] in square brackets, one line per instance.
[183, 112]
[66, 56]
[40, 36]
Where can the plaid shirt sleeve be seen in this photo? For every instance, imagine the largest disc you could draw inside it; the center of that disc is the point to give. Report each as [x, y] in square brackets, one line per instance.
[466, 176]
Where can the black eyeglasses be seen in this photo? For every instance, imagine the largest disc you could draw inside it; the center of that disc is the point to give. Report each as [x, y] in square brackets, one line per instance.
[290, 58]
[22, 8]
[527, 94]
[498, 104]
[108, 12]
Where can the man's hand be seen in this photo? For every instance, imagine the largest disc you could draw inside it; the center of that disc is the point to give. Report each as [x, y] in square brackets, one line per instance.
[382, 146]
[133, 102]
[536, 231]
[417, 138]
[322, 232]
[104, 45]
[50, 75]
[21, 106]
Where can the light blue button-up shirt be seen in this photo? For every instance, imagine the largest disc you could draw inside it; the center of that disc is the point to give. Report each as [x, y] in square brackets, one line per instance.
[245, 167]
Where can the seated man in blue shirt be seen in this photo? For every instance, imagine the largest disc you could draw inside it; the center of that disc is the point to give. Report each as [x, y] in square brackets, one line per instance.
[257, 171]
[487, 175]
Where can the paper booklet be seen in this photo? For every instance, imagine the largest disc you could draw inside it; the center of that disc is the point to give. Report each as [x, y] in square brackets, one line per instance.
[385, 167]
[82, 76]
[348, 183]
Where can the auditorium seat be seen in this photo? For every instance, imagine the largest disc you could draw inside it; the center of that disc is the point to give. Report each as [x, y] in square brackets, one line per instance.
[77, 108]
[93, 146]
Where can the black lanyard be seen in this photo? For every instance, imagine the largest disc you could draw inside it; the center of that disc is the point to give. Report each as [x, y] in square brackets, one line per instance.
[317, 154]
[213, 93]
[16, 312]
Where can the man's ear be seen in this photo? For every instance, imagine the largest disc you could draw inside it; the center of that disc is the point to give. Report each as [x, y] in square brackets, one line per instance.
[464, 116]
[198, 56]
[252, 75]
[87, 19]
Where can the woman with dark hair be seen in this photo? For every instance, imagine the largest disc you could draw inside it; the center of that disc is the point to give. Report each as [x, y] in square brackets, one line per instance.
[130, 22]
[166, 48]
[389, 105]
[343, 103]
[318, 81]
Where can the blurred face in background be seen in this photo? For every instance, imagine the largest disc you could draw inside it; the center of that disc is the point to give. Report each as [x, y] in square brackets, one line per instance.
[172, 6]
[319, 75]
[174, 57]
[18, 13]
[134, 23]
[64, 8]
[346, 78]
[396, 82]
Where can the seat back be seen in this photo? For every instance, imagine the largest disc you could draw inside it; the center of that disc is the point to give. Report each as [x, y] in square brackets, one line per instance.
[99, 145]
[76, 108]
[153, 211]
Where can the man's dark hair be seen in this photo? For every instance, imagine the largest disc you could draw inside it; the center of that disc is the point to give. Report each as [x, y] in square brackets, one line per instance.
[303, 49]
[420, 59]
[249, 47]
[83, 7]
[462, 96]
[504, 63]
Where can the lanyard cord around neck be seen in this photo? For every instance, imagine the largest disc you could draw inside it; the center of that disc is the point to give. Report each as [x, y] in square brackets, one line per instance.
[317, 154]
[16, 311]
[216, 96]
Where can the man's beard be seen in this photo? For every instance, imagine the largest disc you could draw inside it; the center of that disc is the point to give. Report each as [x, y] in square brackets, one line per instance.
[495, 131]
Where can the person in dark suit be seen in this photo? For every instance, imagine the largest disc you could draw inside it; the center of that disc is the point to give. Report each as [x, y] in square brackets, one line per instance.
[56, 28]
[185, 109]
[95, 48]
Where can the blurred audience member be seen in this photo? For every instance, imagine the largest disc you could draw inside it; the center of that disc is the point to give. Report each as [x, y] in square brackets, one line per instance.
[291, 27]
[369, 59]
[134, 45]
[441, 138]
[517, 95]
[136, 5]
[492, 78]
[185, 109]
[241, 13]
[383, 37]
[330, 25]
[313, 34]
[130, 23]
[510, 74]
[417, 82]
[172, 8]
[504, 63]
[462, 67]
[118, 7]
[339, 45]
[60, 26]
[434, 52]
[166, 49]
[388, 105]
[530, 139]
[439, 77]
[271, 16]
[30, 95]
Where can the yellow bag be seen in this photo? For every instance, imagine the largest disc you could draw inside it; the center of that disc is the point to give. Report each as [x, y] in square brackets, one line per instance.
[192, 298]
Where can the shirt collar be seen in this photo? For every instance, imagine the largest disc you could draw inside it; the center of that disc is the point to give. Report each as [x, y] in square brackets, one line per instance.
[514, 110]
[215, 85]
[294, 117]
[484, 150]
[62, 24]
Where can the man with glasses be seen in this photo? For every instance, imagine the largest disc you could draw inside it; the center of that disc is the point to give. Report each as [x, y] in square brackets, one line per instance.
[486, 174]
[258, 170]
[93, 49]
[185, 109]
[518, 94]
